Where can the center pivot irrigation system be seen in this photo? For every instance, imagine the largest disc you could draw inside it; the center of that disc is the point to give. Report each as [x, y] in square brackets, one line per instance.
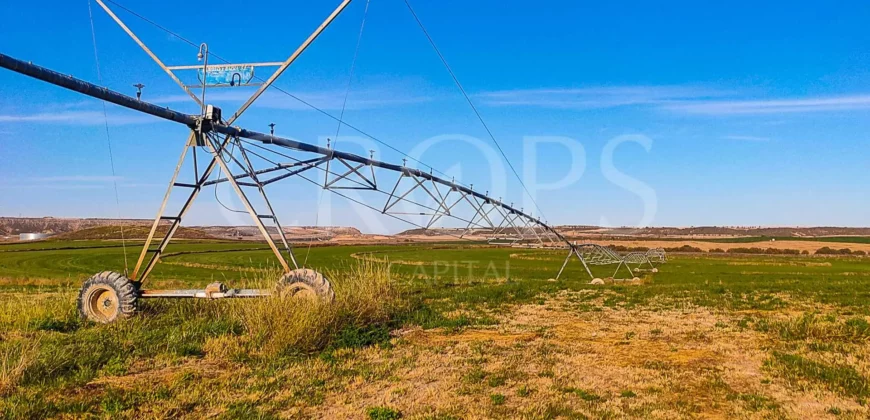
[249, 161]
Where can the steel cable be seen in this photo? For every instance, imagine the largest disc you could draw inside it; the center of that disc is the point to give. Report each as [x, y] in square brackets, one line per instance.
[108, 138]
[471, 104]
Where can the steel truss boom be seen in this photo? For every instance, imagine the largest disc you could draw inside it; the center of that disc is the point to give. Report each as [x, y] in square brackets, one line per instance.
[193, 121]
[510, 219]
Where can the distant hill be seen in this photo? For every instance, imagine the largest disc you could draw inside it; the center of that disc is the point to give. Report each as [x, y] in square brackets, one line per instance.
[10, 226]
[73, 228]
[97, 228]
[131, 232]
[292, 232]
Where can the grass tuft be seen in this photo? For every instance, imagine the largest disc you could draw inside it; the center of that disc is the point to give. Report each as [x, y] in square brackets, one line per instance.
[812, 327]
[841, 379]
[383, 413]
[16, 356]
[497, 399]
[281, 325]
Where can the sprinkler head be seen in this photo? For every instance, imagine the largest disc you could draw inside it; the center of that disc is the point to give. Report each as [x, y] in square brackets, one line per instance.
[138, 87]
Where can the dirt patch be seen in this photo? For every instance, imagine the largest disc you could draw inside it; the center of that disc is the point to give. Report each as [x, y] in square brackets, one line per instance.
[147, 375]
[441, 336]
[567, 357]
[612, 362]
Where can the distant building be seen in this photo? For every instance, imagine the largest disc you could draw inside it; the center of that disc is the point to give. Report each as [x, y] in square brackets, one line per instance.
[32, 236]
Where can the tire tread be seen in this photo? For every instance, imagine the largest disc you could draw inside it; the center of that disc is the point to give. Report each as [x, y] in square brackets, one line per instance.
[313, 279]
[127, 291]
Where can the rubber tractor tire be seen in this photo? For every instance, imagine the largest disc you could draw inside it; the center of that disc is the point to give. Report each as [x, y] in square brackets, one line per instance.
[107, 297]
[305, 282]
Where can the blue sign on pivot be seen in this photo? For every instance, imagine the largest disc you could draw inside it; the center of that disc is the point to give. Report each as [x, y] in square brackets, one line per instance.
[227, 75]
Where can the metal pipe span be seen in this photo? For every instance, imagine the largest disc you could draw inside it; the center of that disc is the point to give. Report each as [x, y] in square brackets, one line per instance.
[99, 92]
[92, 90]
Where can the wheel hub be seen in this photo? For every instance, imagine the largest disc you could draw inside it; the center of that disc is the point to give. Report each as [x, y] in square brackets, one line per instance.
[103, 303]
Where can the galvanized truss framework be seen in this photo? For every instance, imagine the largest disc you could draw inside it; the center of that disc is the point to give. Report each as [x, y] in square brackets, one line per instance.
[639, 258]
[216, 137]
[487, 213]
[222, 142]
[594, 254]
[657, 255]
[219, 158]
[435, 198]
[504, 223]
[650, 258]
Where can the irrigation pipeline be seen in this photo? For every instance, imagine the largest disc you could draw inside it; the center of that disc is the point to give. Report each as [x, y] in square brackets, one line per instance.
[192, 121]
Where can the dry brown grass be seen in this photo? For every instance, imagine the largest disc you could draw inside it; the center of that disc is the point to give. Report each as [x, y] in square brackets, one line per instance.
[281, 325]
[550, 360]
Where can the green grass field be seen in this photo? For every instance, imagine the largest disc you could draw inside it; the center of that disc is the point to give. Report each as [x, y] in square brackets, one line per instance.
[486, 328]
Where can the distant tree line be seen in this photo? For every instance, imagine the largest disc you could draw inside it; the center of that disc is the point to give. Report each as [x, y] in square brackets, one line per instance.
[741, 250]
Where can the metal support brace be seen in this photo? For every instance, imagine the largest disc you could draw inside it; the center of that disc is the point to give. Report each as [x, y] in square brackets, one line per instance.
[148, 51]
[371, 183]
[388, 205]
[572, 250]
[216, 155]
[517, 229]
[528, 228]
[447, 210]
[296, 172]
[176, 221]
[438, 199]
[507, 220]
[479, 212]
[501, 224]
[159, 216]
[284, 166]
[272, 215]
[290, 60]
[621, 263]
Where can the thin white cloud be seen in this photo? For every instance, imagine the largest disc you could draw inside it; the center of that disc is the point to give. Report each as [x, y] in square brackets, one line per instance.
[773, 106]
[746, 138]
[77, 118]
[330, 100]
[141, 185]
[694, 100]
[75, 182]
[61, 186]
[86, 181]
[597, 97]
[78, 178]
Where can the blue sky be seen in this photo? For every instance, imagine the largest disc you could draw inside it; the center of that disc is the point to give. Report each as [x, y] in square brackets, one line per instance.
[756, 113]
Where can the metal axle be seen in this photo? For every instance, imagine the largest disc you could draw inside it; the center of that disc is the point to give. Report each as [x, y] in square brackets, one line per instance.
[212, 291]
